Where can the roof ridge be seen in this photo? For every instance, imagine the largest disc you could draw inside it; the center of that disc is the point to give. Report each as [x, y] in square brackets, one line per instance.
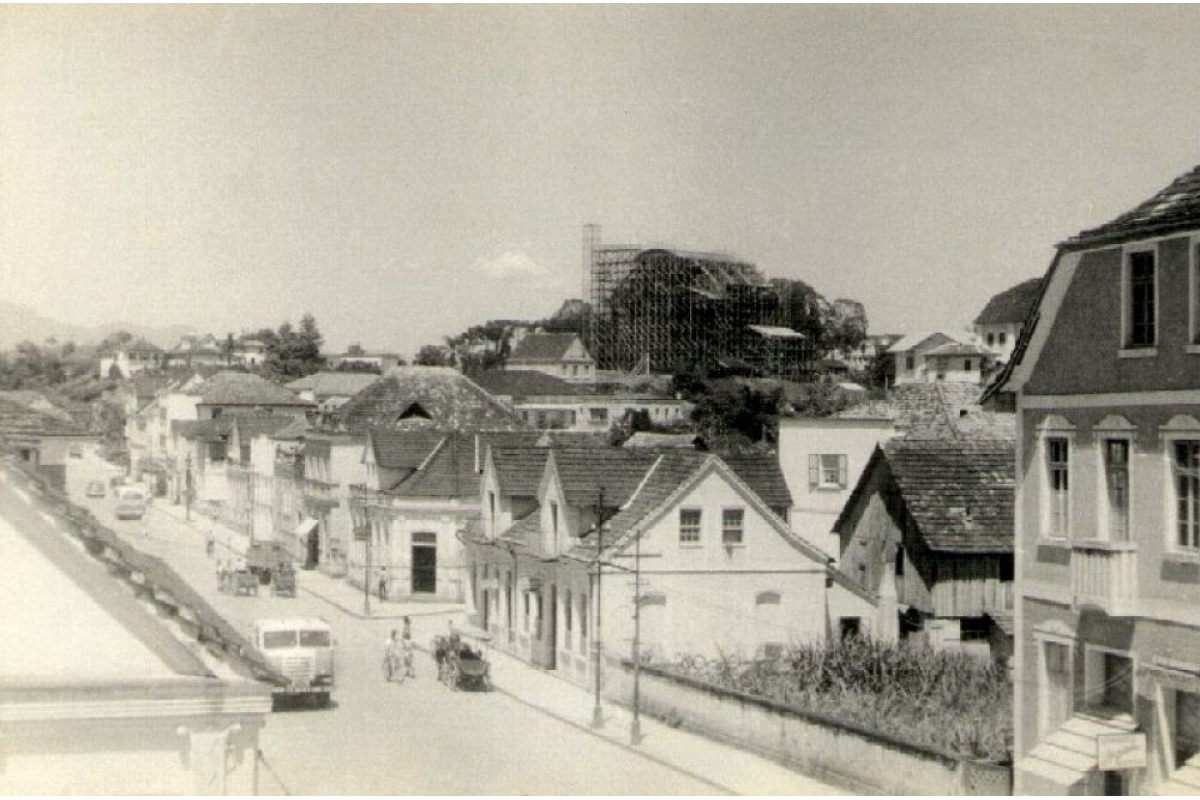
[642, 485]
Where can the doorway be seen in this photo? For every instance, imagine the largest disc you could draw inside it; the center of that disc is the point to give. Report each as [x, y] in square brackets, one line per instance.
[424, 566]
[313, 548]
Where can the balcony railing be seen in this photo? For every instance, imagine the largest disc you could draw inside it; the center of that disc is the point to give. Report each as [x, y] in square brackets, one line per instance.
[1104, 576]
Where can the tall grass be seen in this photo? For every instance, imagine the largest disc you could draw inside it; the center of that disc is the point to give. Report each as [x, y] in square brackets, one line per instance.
[950, 701]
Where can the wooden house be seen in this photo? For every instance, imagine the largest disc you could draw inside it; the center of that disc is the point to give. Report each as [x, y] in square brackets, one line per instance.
[931, 520]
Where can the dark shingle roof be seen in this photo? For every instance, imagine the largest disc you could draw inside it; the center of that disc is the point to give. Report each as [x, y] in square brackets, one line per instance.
[946, 409]
[520, 383]
[960, 494]
[17, 419]
[761, 472]
[448, 472]
[243, 388]
[449, 399]
[1176, 207]
[542, 347]
[1011, 305]
[251, 425]
[519, 469]
[403, 449]
[584, 471]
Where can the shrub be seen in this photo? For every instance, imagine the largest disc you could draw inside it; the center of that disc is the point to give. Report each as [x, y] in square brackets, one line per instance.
[949, 701]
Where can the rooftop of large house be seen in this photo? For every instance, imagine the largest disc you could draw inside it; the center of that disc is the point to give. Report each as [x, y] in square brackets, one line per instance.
[229, 388]
[960, 493]
[542, 347]
[1175, 208]
[22, 419]
[439, 397]
[519, 384]
[936, 409]
[1012, 305]
[333, 384]
[911, 341]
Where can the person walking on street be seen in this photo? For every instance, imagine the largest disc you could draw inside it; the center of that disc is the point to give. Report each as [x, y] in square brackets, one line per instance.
[383, 583]
[407, 647]
[391, 656]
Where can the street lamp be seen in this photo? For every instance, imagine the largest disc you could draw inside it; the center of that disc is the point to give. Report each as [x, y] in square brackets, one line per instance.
[187, 488]
[597, 643]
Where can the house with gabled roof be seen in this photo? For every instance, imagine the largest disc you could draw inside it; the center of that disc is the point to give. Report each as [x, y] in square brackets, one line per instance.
[937, 357]
[117, 678]
[930, 525]
[422, 489]
[999, 324]
[330, 390]
[128, 359]
[561, 355]
[720, 571]
[41, 437]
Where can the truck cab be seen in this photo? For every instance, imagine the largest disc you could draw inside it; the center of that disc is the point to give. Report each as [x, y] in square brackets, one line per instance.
[302, 649]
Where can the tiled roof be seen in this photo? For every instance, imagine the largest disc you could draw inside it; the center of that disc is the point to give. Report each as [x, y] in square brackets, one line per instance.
[959, 493]
[403, 449]
[573, 439]
[761, 472]
[1176, 207]
[520, 383]
[662, 440]
[936, 409]
[584, 471]
[449, 471]
[210, 430]
[957, 349]
[913, 340]
[542, 347]
[451, 401]
[251, 425]
[519, 469]
[243, 388]
[1011, 305]
[333, 384]
[17, 419]
[526, 530]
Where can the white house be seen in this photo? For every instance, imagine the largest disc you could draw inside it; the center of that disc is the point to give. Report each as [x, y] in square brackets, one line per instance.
[562, 355]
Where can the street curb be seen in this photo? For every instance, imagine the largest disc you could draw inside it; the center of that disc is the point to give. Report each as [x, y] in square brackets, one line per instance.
[358, 614]
[626, 747]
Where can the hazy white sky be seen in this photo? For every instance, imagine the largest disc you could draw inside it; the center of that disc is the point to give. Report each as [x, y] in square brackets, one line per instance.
[403, 172]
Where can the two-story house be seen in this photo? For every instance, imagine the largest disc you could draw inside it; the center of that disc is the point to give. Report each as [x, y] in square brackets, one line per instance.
[333, 462]
[569, 536]
[1107, 395]
[999, 324]
[562, 355]
[128, 359]
[937, 357]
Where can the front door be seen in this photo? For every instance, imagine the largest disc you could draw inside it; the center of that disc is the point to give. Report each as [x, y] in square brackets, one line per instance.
[313, 554]
[1057, 696]
[424, 568]
[1187, 727]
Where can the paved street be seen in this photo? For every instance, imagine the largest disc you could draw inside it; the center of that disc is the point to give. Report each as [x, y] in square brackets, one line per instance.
[419, 737]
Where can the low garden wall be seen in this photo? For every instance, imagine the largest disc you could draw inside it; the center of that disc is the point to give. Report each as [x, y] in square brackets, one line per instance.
[825, 748]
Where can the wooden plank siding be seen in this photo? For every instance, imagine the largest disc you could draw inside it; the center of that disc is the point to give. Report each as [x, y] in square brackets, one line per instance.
[936, 584]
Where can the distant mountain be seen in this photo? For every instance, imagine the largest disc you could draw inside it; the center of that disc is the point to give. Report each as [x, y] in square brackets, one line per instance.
[18, 323]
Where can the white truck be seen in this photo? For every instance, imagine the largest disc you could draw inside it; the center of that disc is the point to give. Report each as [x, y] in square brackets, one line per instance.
[302, 649]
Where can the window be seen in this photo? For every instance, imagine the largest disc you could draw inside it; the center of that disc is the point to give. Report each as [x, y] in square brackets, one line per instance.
[554, 519]
[689, 525]
[568, 619]
[1116, 478]
[1140, 310]
[910, 362]
[991, 339]
[598, 414]
[1058, 485]
[1186, 470]
[974, 629]
[492, 510]
[849, 627]
[899, 561]
[525, 615]
[1003, 336]
[967, 364]
[827, 471]
[732, 520]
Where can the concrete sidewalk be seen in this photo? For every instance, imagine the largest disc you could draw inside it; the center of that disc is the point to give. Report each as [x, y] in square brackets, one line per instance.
[723, 767]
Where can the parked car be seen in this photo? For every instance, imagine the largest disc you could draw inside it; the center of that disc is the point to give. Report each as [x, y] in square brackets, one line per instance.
[95, 489]
[131, 502]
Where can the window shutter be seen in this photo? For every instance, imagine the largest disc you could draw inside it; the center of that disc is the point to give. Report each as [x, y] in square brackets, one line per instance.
[814, 469]
[843, 471]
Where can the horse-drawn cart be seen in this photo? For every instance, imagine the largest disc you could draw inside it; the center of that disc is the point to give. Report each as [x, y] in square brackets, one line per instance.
[459, 665]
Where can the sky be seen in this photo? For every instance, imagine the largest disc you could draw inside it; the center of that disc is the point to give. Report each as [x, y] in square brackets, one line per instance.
[405, 172]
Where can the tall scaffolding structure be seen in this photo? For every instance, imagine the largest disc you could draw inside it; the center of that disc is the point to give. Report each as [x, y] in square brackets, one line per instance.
[670, 310]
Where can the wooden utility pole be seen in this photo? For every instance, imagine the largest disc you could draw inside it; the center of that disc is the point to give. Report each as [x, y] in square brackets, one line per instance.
[597, 642]
[635, 727]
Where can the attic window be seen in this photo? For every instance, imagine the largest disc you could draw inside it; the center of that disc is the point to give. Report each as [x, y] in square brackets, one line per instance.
[414, 410]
